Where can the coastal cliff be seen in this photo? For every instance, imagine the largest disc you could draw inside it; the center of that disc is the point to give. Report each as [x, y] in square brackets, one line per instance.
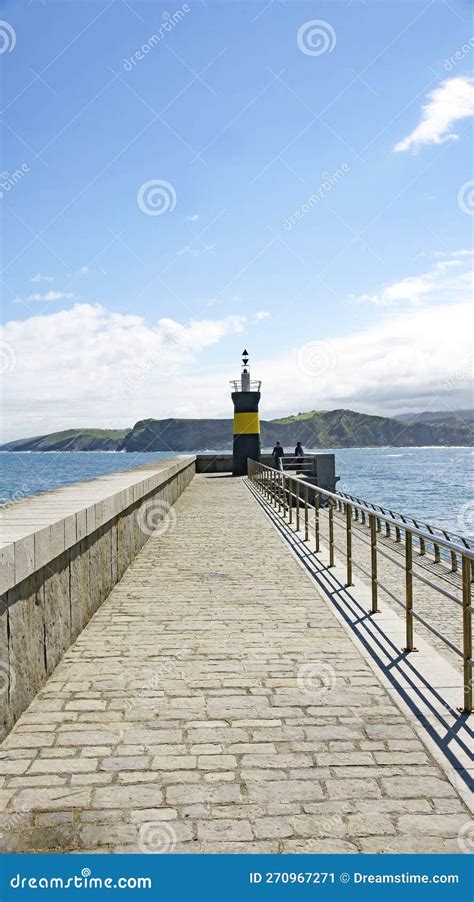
[315, 429]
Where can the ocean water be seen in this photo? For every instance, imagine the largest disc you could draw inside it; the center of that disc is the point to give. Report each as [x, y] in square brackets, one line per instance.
[435, 485]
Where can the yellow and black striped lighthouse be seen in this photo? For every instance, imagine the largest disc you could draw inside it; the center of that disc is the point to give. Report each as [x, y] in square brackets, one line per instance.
[245, 395]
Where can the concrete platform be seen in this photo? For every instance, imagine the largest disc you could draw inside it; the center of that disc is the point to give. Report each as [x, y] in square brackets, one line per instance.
[216, 702]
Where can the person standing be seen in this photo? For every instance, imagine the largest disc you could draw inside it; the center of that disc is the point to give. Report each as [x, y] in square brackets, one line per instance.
[299, 450]
[278, 453]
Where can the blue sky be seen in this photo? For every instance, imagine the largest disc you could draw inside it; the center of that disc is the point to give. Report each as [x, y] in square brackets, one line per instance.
[287, 216]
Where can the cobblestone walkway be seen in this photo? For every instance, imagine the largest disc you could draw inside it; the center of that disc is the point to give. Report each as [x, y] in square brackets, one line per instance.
[214, 703]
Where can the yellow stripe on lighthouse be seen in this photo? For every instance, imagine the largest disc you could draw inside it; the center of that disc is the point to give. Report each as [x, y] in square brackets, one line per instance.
[246, 423]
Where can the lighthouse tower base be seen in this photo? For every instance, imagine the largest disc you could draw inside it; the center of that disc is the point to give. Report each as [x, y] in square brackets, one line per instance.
[246, 430]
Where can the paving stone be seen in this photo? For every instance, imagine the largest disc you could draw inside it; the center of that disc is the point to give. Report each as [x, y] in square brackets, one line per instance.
[180, 704]
[224, 830]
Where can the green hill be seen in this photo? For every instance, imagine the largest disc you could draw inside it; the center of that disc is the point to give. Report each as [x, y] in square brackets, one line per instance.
[315, 429]
[70, 440]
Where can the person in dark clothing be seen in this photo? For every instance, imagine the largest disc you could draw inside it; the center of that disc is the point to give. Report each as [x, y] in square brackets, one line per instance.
[278, 453]
[299, 450]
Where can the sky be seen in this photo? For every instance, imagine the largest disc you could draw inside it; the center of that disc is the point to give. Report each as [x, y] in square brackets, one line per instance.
[179, 181]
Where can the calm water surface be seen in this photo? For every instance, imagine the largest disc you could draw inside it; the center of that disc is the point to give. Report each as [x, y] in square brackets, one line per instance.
[434, 484]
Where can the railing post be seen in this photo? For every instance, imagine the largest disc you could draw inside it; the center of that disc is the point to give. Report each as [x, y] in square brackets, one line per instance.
[331, 533]
[290, 499]
[297, 505]
[283, 490]
[349, 544]
[316, 519]
[437, 553]
[306, 513]
[409, 589]
[467, 632]
[373, 562]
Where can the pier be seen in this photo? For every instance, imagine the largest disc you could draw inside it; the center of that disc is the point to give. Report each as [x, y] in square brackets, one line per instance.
[185, 672]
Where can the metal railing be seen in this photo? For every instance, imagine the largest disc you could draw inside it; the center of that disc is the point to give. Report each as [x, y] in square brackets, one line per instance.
[237, 385]
[290, 495]
[300, 464]
[388, 516]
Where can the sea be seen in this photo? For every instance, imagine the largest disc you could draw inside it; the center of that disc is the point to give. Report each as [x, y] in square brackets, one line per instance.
[435, 485]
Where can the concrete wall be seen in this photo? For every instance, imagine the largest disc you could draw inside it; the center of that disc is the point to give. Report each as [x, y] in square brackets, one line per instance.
[61, 553]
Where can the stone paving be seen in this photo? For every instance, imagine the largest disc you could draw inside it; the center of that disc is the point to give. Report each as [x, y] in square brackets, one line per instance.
[215, 704]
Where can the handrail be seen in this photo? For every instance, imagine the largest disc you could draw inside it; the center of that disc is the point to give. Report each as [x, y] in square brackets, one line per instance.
[290, 494]
[404, 518]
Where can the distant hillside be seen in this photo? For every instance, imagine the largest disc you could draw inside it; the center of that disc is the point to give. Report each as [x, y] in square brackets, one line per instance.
[315, 429]
[70, 440]
[438, 416]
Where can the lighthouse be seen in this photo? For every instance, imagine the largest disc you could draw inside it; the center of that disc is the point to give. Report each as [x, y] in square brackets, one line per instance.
[245, 396]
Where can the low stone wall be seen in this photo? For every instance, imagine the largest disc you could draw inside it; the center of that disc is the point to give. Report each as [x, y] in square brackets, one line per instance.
[61, 553]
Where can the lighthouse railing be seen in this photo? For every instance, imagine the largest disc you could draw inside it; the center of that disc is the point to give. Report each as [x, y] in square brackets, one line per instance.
[312, 512]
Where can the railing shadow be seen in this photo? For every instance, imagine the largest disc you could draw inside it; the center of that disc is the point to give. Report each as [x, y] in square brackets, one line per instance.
[448, 728]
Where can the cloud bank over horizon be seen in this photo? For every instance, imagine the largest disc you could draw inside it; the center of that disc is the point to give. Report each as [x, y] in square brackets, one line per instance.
[90, 366]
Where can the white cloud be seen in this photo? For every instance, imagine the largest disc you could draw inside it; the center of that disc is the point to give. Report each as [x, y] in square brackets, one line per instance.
[452, 101]
[51, 296]
[91, 366]
[193, 218]
[262, 314]
[39, 277]
[449, 279]
[198, 251]
[417, 360]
